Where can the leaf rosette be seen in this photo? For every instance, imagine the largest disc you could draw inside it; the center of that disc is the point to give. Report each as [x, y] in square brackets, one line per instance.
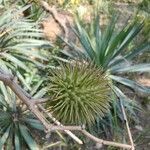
[79, 93]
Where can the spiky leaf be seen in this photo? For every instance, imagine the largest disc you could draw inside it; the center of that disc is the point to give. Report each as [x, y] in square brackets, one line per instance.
[80, 93]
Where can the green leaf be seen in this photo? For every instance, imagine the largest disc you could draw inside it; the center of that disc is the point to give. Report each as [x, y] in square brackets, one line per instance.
[20, 37]
[27, 137]
[17, 142]
[107, 36]
[132, 84]
[16, 61]
[31, 53]
[5, 93]
[35, 88]
[133, 68]
[4, 137]
[21, 78]
[40, 93]
[130, 105]
[34, 123]
[85, 40]
[137, 51]
[135, 29]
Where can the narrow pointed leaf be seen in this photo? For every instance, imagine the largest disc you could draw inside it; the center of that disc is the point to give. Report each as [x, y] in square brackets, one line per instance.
[27, 137]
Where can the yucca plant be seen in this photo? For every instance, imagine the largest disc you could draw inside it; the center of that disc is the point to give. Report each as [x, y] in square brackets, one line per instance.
[20, 40]
[79, 93]
[108, 49]
[16, 122]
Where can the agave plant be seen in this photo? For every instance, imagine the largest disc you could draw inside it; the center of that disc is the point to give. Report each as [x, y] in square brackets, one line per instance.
[16, 122]
[108, 49]
[20, 40]
[79, 93]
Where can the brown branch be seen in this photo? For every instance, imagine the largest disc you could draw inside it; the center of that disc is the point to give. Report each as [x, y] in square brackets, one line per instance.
[127, 126]
[58, 123]
[10, 81]
[54, 14]
[39, 101]
[90, 136]
[104, 142]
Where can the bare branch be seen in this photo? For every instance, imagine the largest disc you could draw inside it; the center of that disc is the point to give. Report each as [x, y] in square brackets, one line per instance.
[54, 14]
[10, 81]
[41, 100]
[104, 142]
[127, 126]
[58, 123]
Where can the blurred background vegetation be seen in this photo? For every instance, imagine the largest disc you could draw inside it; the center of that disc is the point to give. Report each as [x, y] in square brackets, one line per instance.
[33, 46]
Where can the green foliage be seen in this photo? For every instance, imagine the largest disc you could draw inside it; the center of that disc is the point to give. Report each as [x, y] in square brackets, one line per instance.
[145, 6]
[79, 93]
[34, 11]
[20, 40]
[144, 14]
[108, 49]
[5, 3]
[16, 123]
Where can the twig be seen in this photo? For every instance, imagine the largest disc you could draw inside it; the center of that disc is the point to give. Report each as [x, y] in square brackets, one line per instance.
[39, 101]
[127, 126]
[104, 142]
[54, 14]
[5, 32]
[58, 123]
[9, 80]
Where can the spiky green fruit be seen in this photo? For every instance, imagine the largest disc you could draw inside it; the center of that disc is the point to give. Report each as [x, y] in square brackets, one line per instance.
[79, 93]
